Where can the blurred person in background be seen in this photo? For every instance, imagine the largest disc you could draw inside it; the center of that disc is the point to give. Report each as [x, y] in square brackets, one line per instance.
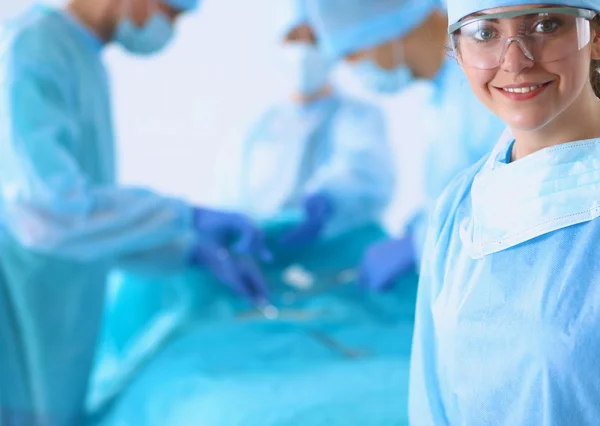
[390, 44]
[67, 221]
[317, 162]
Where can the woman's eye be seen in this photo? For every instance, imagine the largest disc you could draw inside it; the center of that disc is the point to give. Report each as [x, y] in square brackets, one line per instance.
[546, 26]
[485, 34]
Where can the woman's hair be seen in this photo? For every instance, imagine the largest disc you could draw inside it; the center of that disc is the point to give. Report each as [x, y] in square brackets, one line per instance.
[595, 65]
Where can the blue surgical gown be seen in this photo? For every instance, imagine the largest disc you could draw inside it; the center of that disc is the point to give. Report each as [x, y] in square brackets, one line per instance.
[508, 308]
[336, 145]
[459, 132]
[67, 223]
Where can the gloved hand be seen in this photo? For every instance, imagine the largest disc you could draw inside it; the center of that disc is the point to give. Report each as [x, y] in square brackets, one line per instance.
[229, 230]
[240, 273]
[386, 261]
[318, 209]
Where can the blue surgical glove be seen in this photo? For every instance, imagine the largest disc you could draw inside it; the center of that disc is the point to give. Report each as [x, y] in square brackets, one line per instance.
[228, 244]
[231, 230]
[385, 262]
[239, 272]
[318, 209]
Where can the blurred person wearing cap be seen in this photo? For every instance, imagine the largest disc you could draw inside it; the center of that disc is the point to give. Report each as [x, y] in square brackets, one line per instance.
[67, 221]
[317, 159]
[389, 45]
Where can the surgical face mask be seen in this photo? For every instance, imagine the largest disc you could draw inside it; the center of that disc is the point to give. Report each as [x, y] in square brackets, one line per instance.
[305, 67]
[379, 80]
[150, 38]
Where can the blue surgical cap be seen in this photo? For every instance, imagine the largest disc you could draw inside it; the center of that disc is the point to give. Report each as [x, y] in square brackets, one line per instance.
[289, 14]
[348, 26]
[458, 9]
[183, 5]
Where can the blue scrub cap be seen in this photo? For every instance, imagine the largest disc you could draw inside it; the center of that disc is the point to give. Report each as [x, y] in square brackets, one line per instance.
[348, 26]
[458, 9]
[289, 14]
[183, 5]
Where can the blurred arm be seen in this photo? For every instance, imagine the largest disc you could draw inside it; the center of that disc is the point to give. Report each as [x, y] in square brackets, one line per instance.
[50, 204]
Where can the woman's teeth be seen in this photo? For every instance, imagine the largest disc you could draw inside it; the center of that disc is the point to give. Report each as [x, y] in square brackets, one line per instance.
[522, 89]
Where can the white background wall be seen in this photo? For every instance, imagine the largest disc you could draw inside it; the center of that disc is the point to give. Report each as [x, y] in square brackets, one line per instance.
[174, 112]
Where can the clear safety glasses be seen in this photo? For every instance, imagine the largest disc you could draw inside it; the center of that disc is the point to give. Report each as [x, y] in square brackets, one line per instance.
[543, 34]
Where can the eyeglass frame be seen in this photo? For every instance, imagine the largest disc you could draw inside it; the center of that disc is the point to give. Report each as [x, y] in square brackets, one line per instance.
[572, 11]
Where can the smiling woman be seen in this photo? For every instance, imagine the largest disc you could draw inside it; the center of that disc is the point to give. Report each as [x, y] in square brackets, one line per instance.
[507, 311]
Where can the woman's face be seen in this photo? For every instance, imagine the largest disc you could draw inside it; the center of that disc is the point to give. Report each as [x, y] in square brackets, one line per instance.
[557, 87]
